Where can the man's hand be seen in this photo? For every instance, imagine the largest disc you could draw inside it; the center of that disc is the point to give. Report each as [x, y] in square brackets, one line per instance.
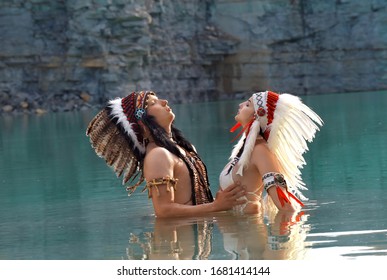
[226, 199]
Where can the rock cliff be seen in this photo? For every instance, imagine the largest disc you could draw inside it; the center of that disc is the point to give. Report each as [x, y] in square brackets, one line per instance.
[71, 54]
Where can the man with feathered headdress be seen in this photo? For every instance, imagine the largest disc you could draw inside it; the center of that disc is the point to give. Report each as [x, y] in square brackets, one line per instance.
[136, 136]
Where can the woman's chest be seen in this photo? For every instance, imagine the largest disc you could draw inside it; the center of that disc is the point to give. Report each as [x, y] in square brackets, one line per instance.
[250, 179]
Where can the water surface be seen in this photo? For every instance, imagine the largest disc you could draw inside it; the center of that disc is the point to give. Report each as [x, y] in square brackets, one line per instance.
[58, 200]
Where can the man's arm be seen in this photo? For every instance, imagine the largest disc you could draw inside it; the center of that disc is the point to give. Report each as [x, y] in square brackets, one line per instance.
[160, 164]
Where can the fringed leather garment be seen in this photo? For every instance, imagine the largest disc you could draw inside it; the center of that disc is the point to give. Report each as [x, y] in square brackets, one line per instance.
[201, 192]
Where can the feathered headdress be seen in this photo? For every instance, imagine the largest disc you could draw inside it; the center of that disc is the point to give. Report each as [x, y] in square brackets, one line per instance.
[287, 125]
[116, 136]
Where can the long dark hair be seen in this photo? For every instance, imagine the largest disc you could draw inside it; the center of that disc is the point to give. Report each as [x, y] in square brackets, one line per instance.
[162, 139]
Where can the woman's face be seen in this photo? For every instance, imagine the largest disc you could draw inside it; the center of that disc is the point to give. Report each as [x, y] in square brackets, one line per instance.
[245, 112]
[159, 109]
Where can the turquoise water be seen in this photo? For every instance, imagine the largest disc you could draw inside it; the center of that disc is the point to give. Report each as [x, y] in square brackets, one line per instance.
[58, 200]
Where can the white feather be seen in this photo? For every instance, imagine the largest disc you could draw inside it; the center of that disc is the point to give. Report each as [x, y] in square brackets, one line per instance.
[118, 112]
[293, 125]
[249, 146]
[237, 147]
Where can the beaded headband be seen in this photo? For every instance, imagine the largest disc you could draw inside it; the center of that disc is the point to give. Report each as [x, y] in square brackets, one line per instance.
[129, 111]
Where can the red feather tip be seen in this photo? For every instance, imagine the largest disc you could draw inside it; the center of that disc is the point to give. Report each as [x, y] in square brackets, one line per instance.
[235, 127]
[282, 197]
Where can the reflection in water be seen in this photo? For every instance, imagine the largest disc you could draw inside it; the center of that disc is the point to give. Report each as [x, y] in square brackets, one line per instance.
[280, 236]
[179, 239]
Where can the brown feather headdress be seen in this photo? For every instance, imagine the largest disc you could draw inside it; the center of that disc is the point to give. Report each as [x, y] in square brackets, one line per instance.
[116, 136]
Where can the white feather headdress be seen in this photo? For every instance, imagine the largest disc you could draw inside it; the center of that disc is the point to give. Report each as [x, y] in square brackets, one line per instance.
[287, 125]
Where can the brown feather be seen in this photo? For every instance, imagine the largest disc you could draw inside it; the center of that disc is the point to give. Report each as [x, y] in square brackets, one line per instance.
[111, 152]
[122, 160]
[93, 121]
[109, 143]
[105, 140]
[100, 131]
[96, 121]
[130, 169]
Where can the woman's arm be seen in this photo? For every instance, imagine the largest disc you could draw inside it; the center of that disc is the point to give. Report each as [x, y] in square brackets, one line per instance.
[266, 162]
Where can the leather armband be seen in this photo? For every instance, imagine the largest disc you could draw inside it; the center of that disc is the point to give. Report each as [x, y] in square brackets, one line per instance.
[155, 183]
[272, 179]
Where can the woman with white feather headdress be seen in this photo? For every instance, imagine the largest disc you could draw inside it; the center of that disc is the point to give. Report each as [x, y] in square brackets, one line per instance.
[268, 157]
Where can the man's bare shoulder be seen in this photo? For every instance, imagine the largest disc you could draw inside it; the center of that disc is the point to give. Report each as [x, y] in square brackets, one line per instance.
[158, 155]
[158, 163]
